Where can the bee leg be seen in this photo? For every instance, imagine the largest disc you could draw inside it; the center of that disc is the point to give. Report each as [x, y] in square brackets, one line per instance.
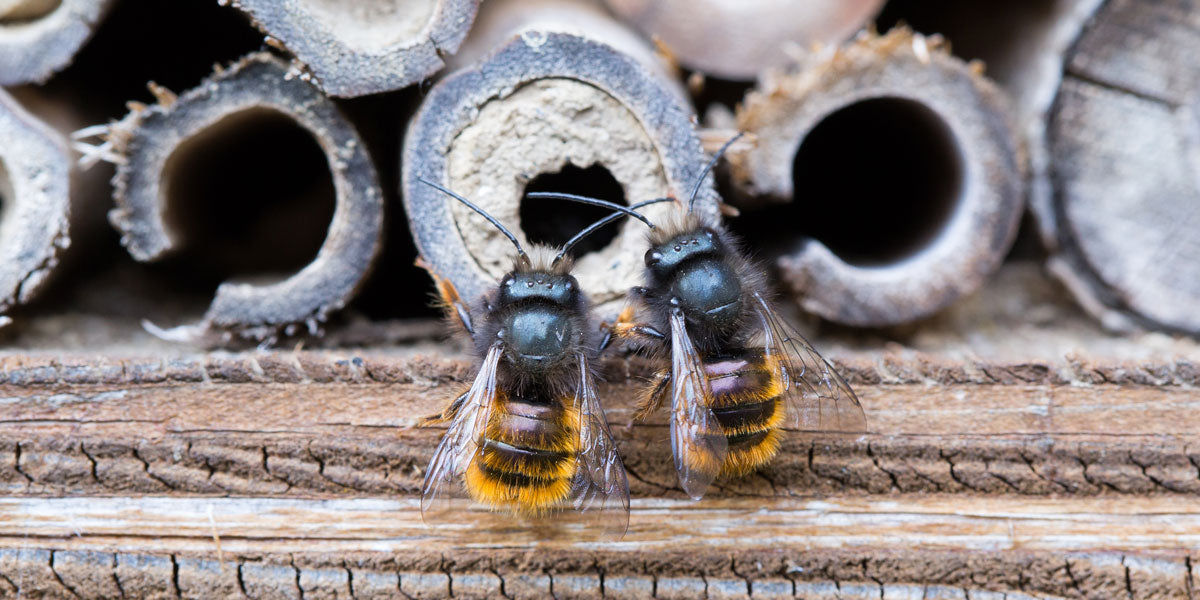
[449, 300]
[653, 400]
[445, 415]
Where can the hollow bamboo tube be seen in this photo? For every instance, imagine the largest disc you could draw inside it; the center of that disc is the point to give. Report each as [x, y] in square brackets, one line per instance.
[365, 46]
[154, 142]
[40, 37]
[563, 85]
[35, 206]
[1123, 222]
[739, 40]
[896, 107]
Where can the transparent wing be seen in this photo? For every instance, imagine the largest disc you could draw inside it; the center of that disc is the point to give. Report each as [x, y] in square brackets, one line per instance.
[818, 399]
[461, 442]
[697, 439]
[600, 491]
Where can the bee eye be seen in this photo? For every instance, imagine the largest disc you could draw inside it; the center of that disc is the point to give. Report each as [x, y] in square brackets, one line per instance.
[652, 257]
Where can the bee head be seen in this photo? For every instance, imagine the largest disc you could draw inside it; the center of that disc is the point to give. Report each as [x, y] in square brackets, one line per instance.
[665, 257]
[701, 281]
[539, 330]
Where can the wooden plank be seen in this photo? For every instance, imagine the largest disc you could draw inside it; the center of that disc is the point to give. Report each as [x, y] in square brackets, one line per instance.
[328, 425]
[835, 548]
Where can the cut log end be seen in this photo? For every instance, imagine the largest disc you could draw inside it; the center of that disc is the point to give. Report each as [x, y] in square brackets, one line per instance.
[547, 110]
[179, 157]
[1123, 216]
[900, 161]
[365, 47]
[35, 168]
[40, 37]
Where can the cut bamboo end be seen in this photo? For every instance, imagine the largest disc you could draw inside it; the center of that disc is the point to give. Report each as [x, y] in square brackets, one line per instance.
[40, 37]
[156, 144]
[739, 40]
[902, 163]
[35, 204]
[1123, 218]
[365, 46]
[568, 100]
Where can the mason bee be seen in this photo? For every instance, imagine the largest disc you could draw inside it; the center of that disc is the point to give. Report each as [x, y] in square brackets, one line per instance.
[529, 436]
[739, 373]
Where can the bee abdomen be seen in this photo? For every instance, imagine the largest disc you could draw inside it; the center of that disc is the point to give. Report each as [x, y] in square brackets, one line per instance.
[528, 456]
[747, 400]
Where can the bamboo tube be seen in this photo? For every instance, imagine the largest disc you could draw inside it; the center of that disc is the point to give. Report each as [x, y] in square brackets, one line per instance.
[740, 40]
[365, 46]
[900, 161]
[156, 144]
[1122, 221]
[564, 87]
[35, 206]
[40, 37]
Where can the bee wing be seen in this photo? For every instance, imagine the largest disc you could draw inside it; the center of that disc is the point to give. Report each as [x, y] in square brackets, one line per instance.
[462, 439]
[817, 396]
[600, 489]
[697, 439]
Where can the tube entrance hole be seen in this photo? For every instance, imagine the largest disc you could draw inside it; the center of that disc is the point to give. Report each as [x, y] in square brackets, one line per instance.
[874, 181]
[250, 197]
[554, 222]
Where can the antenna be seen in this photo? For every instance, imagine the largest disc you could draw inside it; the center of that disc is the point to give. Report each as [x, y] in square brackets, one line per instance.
[512, 238]
[593, 201]
[590, 229]
[712, 163]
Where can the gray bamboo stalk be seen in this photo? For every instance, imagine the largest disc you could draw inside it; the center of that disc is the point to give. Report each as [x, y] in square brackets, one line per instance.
[40, 37]
[150, 136]
[35, 183]
[974, 124]
[364, 46]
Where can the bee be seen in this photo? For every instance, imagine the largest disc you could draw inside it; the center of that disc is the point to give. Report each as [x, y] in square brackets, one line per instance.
[529, 436]
[739, 373]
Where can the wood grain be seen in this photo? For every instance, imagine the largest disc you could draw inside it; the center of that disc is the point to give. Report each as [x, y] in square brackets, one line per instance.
[1070, 479]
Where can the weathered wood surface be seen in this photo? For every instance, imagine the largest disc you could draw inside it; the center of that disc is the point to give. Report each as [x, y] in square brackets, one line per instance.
[888, 121]
[222, 475]
[1123, 216]
[155, 143]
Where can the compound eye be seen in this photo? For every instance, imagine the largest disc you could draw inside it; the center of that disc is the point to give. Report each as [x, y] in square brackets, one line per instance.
[653, 257]
[507, 281]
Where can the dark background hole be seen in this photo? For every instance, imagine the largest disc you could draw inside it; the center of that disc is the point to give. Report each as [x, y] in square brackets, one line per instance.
[250, 196]
[874, 181]
[554, 222]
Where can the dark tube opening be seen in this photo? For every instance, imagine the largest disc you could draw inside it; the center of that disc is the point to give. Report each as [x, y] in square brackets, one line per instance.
[250, 197]
[874, 181]
[554, 222]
